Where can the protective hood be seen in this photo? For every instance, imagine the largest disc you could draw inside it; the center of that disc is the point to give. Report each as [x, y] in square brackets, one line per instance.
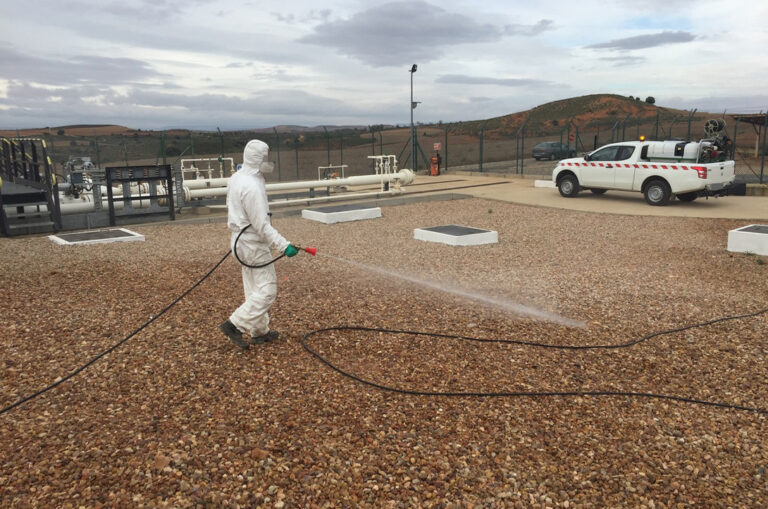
[255, 158]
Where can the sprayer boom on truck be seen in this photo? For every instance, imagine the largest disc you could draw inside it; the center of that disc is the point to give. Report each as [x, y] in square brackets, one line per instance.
[658, 169]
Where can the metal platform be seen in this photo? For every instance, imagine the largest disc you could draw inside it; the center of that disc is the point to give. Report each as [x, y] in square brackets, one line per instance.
[341, 213]
[749, 239]
[456, 235]
[97, 237]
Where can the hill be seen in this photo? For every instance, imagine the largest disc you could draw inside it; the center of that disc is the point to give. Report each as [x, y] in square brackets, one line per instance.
[589, 111]
[85, 130]
[586, 112]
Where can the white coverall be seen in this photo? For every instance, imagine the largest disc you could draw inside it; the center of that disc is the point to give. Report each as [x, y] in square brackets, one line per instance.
[247, 204]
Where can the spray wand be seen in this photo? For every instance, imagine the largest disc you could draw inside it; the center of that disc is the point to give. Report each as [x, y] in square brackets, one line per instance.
[309, 250]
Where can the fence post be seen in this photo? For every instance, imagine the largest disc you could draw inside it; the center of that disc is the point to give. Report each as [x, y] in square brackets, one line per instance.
[162, 148]
[482, 135]
[690, 118]
[624, 127]
[221, 140]
[520, 147]
[762, 160]
[296, 149]
[373, 148]
[341, 148]
[445, 166]
[328, 145]
[277, 143]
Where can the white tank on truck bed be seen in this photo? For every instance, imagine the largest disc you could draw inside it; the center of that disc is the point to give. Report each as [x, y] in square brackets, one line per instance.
[674, 150]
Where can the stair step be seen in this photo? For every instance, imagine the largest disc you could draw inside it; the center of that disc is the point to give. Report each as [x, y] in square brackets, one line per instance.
[27, 215]
[31, 203]
[17, 226]
[24, 199]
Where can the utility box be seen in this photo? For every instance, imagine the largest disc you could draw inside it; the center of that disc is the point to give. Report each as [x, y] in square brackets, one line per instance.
[751, 239]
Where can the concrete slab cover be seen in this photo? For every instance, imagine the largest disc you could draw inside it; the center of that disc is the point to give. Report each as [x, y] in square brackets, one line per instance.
[755, 228]
[455, 230]
[97, 237]
[341, 213]
[456, 235]
[749, 239]
[341, 208]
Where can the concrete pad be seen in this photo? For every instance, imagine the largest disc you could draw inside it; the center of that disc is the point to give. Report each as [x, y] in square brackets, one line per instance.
[341, 213]
[749, 239]
[544, 183]
[455, 235]
[97, 237]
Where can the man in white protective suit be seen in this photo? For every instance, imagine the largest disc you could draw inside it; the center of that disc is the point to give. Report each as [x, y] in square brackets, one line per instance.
[248, 207]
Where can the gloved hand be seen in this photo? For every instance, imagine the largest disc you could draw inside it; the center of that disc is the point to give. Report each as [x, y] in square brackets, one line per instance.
[291, 250]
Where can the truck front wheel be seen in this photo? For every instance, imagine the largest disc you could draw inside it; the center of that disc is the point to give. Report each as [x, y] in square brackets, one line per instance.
[657, 192]
[568, 186]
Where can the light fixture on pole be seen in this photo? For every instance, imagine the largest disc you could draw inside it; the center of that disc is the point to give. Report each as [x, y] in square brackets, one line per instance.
[413, 133]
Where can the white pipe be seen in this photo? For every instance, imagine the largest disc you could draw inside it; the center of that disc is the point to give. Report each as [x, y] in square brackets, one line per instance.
[213, 192]
[206, 183]
[209, 188]
[278, 203]
[404, 176]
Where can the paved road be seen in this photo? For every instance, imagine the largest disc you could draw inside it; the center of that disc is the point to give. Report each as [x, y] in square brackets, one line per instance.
[522, 190]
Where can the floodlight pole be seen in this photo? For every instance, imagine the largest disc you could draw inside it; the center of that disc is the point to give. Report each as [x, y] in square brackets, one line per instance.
[413, 132]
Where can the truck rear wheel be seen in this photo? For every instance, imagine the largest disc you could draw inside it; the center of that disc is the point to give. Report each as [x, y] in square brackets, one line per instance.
[568, 186]
[657, 192]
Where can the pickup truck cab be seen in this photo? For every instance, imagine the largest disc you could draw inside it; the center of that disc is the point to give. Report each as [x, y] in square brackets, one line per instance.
[658, 169]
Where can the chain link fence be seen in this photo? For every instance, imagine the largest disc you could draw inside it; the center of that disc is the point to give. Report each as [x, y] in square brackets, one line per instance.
[500, 145]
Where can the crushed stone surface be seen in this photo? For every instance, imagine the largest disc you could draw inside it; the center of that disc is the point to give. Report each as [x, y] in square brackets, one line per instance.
[180, 417]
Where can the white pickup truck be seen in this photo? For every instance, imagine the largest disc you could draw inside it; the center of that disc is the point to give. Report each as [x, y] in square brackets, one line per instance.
[658, 169]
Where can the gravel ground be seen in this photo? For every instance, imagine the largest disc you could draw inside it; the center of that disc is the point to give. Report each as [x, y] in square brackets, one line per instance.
[179, 417]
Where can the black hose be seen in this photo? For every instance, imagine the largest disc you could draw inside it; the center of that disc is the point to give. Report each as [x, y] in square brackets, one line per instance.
[530, 394]
[411, 392]
[145, 324]
[113, 347]
[234, 250]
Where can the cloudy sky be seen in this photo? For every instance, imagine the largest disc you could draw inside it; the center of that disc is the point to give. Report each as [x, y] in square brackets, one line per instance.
[202, 64]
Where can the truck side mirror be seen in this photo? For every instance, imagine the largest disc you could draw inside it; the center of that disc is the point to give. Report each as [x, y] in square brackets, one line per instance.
[586, 157]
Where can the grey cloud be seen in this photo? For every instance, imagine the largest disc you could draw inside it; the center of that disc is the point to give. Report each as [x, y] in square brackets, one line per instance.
[541, 26]
[284, 18]
[321, 15]
[27, 106]
[462, 79]
[624, 60]
[401, 32]
[157, 11]
[646, 41]
[79, 69]
[103, 25]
